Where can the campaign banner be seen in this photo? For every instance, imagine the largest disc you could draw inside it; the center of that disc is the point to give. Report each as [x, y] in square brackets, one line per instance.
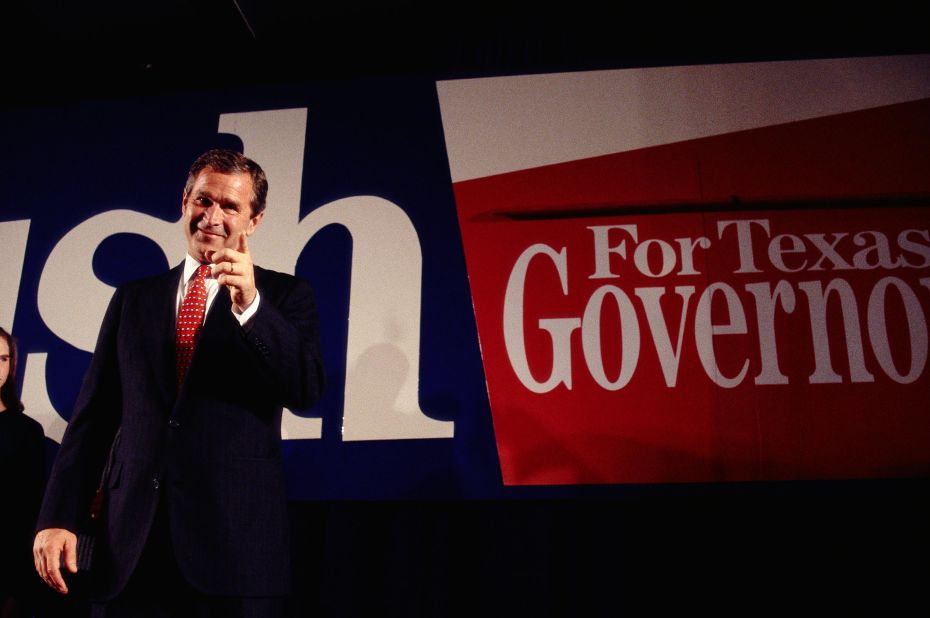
[528, 286]
[700, 274]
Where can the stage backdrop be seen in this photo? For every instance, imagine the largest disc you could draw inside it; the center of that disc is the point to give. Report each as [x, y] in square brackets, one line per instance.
[679, 274]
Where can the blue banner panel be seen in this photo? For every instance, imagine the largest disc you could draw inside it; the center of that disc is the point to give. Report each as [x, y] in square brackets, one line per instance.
[360, 204]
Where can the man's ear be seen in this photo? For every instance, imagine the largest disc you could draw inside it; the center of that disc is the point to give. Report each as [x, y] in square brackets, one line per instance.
[254, 221]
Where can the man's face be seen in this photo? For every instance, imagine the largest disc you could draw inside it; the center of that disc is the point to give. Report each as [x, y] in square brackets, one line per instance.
[216, 212]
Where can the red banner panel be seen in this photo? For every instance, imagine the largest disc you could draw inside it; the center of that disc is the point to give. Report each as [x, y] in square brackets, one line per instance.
[744, 306]
[702, 347]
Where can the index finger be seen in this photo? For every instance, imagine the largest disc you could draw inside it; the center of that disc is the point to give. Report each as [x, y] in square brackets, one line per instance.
[243, 246]
[55, 580]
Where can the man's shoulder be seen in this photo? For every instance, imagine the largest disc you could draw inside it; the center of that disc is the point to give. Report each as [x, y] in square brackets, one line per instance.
[150, 281]
[277, 285]
[264, 275]
[146, 291]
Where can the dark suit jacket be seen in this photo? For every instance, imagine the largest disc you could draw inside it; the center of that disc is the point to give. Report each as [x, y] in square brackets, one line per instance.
[212, 451]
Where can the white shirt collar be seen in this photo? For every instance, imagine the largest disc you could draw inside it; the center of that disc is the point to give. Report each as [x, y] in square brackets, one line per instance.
[190, 265]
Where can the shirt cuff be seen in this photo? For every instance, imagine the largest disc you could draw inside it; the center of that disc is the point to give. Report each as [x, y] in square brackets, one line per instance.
[246, 318]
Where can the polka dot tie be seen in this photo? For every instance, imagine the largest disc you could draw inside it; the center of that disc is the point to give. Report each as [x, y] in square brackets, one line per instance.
[190, 319]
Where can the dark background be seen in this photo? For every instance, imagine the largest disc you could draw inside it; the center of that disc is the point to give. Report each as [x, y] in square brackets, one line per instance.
[55, 50]
[798, 547]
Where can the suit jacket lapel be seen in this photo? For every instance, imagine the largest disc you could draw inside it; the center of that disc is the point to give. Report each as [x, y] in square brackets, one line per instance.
[160, 331]
[217, 339]
[218, 317]
[213, 337]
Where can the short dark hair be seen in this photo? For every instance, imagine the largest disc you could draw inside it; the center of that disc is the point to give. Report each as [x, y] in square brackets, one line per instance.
[9, 394]
[231, 162]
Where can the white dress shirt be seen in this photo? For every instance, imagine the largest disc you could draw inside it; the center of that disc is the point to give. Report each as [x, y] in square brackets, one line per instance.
[213, 287]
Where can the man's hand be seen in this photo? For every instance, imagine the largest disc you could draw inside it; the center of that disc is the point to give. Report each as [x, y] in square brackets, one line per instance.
[51, 546]
[233, 268]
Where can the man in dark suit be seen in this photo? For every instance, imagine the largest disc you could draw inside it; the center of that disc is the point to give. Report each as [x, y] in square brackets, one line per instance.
[194, 518]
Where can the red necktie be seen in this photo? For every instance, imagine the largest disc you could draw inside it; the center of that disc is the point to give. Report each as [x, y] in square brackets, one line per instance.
[190, 319]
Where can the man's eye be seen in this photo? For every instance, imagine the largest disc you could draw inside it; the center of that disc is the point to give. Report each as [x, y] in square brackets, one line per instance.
[203, 201]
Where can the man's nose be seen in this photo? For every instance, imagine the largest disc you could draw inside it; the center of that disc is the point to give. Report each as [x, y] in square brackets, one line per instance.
[214, 214]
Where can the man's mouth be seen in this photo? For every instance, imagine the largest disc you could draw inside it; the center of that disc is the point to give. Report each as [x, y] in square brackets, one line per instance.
[209, 233]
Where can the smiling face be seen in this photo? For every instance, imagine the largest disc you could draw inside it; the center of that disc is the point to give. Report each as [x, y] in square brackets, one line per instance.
[216, 211]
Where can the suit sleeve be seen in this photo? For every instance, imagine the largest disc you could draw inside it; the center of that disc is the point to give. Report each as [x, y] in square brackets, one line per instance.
[284, 339]
[76, 472]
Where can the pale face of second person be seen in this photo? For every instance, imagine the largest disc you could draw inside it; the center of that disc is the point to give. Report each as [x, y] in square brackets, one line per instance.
[4, 364]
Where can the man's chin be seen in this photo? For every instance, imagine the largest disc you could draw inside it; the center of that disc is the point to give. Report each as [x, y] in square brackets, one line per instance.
[203, 250]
